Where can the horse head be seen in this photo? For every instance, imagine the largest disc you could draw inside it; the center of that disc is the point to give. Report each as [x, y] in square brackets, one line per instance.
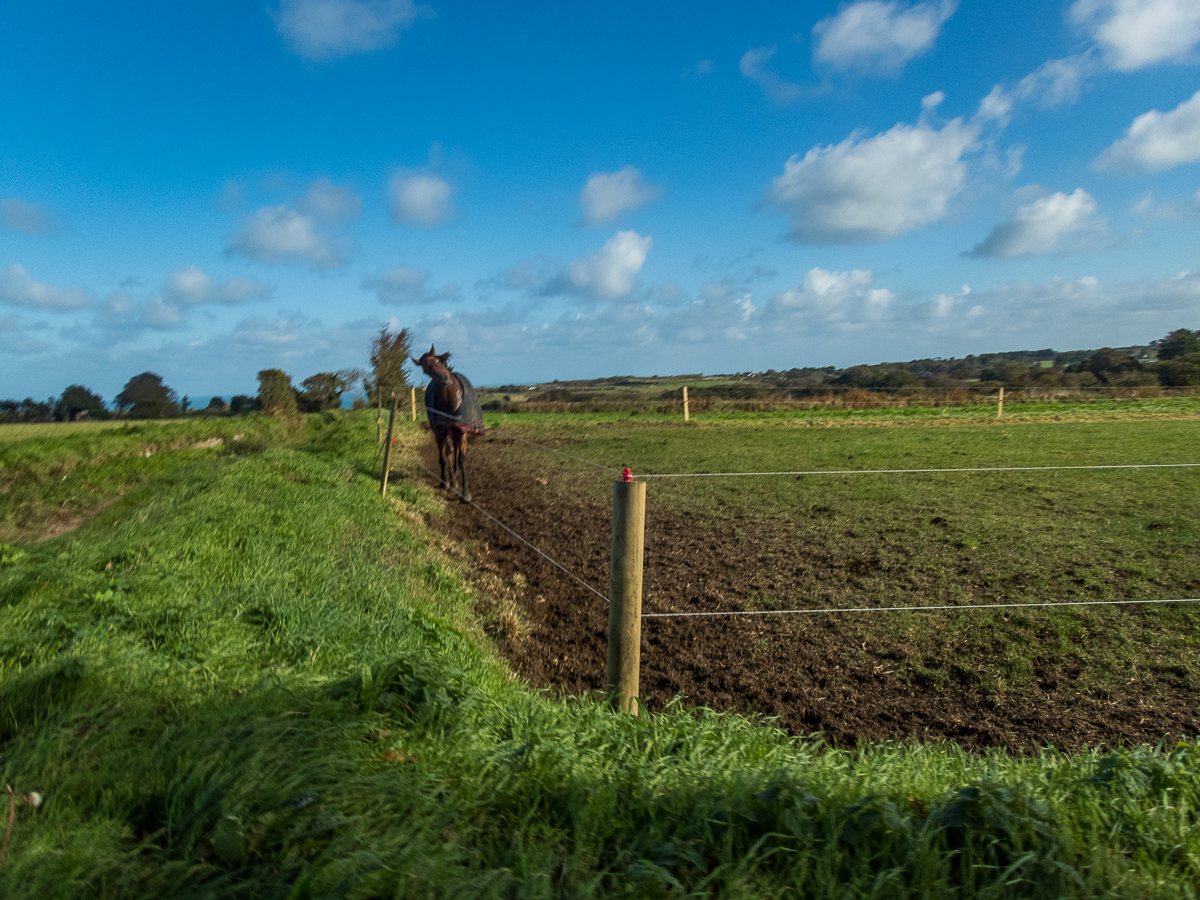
[433, 364]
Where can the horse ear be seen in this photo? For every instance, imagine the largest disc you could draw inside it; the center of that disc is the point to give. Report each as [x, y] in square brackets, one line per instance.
[432, 352]
[416, 362]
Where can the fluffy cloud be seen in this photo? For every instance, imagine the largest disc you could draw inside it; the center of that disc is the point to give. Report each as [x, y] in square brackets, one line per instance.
[608, 273]
[879, 37]
[18, 289]
[320, 30]
[872, 189]
[1057, 82]
[779, 90]
[406, 285]
[17, 215]
[835, 296]
[1043, 226]
[330, 202]
[421, 199]
[191, 287]
[1158, 140]
[1135, 34]
[120, 311]
[278, 235]
[605, 197]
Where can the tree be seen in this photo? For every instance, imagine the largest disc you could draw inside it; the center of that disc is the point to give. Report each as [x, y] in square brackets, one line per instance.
[240, 404]
[216, 407]
[324, 390]
[276, 396]
[389, 356]
[1182, 342]
[146, 397]
[1179, 371]
[1109, 365]
[77, 402]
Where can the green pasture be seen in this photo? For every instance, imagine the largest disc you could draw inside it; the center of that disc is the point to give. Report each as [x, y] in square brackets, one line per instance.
[23, 431]
[243, 674]
[937, 538]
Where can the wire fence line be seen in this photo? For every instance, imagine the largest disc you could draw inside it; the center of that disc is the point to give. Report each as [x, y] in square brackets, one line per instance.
[858, 609]
[730, 613]
[527, 543]
[918, 471]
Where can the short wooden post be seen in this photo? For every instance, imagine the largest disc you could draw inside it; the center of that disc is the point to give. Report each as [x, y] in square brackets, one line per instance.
[387, 451]
[685, 404]
[625, 595]
[1000, 404]
[414, 403]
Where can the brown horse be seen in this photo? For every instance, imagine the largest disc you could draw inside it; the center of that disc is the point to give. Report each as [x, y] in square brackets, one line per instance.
[453, 412]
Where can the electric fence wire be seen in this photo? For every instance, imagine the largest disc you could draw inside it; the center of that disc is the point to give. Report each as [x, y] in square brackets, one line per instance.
[531, 546]
[916, 471]
[784, 612]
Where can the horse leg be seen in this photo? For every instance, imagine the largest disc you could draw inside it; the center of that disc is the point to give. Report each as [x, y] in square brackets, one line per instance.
[443, 447]
[460, 459]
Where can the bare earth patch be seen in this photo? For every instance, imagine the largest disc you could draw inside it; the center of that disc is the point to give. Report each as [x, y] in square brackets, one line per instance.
[847, 675]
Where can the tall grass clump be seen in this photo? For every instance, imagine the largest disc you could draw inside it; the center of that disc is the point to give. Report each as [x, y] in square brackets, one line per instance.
[249, 677]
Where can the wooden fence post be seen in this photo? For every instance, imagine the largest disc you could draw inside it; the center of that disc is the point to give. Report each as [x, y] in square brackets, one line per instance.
[685, 404]
[1000, 404]
[378, 414]
[625, 595]
[387, 451]
[414, 403]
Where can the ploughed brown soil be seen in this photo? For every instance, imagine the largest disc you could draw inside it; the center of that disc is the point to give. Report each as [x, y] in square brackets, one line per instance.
[830, 673]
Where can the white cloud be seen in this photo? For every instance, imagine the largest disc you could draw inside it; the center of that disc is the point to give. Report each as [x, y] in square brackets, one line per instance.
[608, 273]
[405, 285]
[699, 70]
[420, 199]
[320, 30]
[1044, 226]
[1158, 140]
[779, 90]
[1055, 83]
[278, 235]
[330, 202]
[833, 296]
[17, 288]
[1135, 34]
[27, 218]
[606, 196]
[191, 287]
[872, 189]
[879, 37]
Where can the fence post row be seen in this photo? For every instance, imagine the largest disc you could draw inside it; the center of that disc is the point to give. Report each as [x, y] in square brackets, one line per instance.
[387, 451]
[625, 595]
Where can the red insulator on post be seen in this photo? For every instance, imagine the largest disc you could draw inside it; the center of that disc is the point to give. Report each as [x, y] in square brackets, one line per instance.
[626, 475]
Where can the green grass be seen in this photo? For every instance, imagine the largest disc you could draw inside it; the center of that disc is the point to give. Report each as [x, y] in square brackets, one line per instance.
[24, 431]
[251, 677]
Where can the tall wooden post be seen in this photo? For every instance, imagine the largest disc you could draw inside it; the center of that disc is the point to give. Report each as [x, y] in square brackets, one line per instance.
[625, 595]
[685, 404]
[414, 403]
[1000, 404]
[378, 413]
[387, 451]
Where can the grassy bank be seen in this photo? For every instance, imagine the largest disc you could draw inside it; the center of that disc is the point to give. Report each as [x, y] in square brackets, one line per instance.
[249, 677]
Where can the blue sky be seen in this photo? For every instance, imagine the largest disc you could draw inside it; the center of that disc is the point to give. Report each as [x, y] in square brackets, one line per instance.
[568, 191]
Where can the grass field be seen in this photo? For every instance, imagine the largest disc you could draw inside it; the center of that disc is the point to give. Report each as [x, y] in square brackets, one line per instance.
[247, 676]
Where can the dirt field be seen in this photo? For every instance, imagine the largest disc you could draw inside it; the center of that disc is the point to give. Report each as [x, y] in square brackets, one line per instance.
[831, 673]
